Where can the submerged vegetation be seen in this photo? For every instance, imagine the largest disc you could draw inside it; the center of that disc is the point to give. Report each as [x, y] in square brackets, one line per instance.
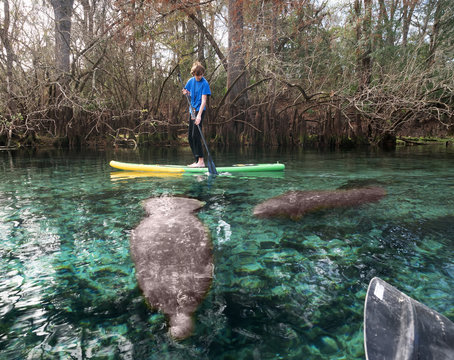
[283, 73]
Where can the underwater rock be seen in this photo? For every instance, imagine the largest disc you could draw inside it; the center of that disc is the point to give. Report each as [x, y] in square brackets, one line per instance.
[295, 204]
[173, 257]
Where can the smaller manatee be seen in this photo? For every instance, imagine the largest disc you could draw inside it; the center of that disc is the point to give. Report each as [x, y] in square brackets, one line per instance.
[295, 204]
[172, 253]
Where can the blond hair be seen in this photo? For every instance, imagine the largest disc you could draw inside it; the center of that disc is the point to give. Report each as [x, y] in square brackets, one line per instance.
[197, 69]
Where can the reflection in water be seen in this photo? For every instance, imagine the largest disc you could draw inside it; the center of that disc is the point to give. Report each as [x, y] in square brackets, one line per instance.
[28, 254]
[281, 288]
[126, 175]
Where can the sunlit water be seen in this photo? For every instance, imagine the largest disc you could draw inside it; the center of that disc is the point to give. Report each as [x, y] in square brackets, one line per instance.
[282, 289]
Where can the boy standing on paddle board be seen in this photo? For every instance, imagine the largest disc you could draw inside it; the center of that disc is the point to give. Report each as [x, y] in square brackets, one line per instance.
[199, 90]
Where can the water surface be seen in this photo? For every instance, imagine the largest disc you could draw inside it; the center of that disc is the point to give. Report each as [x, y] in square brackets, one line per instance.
[282, 289]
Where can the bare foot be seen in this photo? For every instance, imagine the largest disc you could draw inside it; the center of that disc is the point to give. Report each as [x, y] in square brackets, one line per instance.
[193, 165]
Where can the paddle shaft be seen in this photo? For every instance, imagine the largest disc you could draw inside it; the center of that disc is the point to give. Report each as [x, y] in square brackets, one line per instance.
[187, 96]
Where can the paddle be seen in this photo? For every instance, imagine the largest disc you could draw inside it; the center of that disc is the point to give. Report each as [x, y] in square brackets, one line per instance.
[211, 168]
[210, 164]
[399, 327]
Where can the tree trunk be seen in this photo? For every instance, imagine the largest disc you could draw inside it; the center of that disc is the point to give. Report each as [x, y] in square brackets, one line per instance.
[407, 14]
[5, 37]
[63, 114]
[236, 71]
[88, 20]
[363, 41]
[274, 14]
[435, 33]
[201, 42]
[367, 39]
[236, 62]
[10, 102]
[209, 37]
[63, 11]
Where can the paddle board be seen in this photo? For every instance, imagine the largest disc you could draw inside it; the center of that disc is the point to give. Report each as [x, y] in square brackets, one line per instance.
[191, 170]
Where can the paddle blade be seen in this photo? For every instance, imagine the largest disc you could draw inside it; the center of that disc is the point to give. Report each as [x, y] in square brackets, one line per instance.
[211, 168]
[399, 327]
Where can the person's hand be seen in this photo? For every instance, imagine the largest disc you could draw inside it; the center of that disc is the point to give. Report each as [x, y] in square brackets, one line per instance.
[186, 92]
[198, 119]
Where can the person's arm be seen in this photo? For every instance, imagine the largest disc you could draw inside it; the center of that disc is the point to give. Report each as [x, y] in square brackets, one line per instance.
[186, 88]
[202, 106]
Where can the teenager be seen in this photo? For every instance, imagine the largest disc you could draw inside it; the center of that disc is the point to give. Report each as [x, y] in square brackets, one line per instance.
[199, 90]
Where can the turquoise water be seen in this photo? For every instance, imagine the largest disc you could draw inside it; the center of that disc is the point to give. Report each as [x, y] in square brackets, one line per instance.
[282, 289]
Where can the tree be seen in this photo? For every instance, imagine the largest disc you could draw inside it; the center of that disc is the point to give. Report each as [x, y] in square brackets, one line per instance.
[204, 32]
[6, 41]
[63, 12]
[291, 68]
[236, 71]
[407, 15]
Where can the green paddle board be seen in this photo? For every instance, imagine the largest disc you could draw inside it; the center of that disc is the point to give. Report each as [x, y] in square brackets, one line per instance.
[186, 169]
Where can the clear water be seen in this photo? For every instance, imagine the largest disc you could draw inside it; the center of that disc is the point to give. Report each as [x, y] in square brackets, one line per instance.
[282, 289]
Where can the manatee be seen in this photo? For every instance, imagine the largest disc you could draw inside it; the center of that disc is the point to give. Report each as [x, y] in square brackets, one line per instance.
[173, 258]
[295, 204]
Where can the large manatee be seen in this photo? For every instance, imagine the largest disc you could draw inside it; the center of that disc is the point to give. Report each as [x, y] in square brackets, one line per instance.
[172, 253]
[295, 204]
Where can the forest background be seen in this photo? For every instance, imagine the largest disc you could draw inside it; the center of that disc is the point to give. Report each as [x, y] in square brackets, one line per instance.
[282, 73]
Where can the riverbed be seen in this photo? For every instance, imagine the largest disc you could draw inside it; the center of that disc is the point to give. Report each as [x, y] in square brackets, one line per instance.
[282, 288]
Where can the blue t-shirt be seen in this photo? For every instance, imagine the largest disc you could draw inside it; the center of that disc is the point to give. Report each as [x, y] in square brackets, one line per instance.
[197, 89]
